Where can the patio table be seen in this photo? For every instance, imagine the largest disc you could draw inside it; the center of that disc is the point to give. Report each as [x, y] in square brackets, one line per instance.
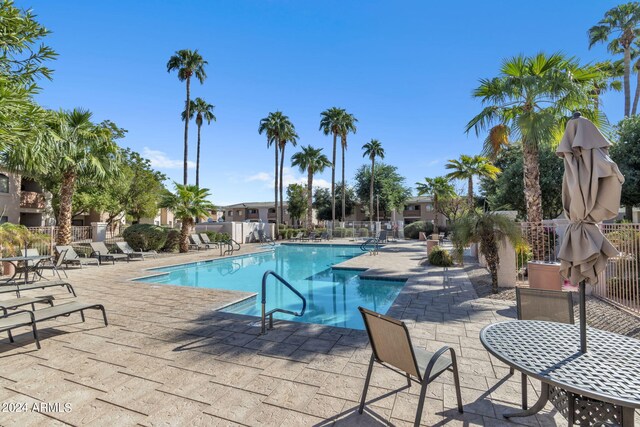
[587, 388]
[36, 259]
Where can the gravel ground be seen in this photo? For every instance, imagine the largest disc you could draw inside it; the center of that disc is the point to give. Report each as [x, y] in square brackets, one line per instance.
[600, 314]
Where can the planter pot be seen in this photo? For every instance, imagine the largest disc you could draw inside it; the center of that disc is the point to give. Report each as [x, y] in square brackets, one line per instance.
[8, 269]
[430, 245]
[545, 275]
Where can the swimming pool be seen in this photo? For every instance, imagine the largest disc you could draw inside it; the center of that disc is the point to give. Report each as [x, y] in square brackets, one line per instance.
[333, 295]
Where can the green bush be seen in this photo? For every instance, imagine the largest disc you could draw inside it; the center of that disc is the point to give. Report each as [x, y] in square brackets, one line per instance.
[145, 237]
[343, 232]
[173, 240]
[214, 236]
[412, 231]
[439, 257]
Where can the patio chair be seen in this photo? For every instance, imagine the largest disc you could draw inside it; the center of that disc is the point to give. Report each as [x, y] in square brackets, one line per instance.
[297, 237]
[392, 348]
[325, 236]
[542, 304]
[17, 286]
[20, 318]
[55, 267]
[127, 250]
[207, 241]
[197, 243]
[305, 238]
[103, 253]
[14, 303]
[382, 236]
[71, 257]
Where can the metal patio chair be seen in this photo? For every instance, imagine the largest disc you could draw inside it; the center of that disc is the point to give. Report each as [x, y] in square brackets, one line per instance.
[392, 348]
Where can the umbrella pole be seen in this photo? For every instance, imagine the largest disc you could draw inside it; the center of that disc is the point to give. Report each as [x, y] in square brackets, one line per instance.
[583, 319]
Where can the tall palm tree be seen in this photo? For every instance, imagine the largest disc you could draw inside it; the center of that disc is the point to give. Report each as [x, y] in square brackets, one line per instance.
[331, 123]
[187, 63]
[271, 126]
[488, 229]
[312, 161]
[468, 167]
[348, 126]
[287, 135]
[78, 149]
[532, 99]
[439, 188]
[372, 149]
[609, 74]
[621, 25]
[203, 111]
[187, 202]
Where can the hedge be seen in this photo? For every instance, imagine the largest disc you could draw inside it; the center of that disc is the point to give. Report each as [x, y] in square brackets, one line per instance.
[412, 231]
[145, 237]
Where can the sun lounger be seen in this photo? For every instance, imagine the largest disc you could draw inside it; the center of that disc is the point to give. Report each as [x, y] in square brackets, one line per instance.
[31, 318]
[197, 243]
[324, 236]
[316, 237]
[103, 253]
[127, 250]
[14, 303]
[205, 239]
[18, 287]
[71, 257]
[297, 237]
[55, 267]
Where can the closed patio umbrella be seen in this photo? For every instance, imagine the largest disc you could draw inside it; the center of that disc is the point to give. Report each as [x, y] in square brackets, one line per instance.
[591, 188]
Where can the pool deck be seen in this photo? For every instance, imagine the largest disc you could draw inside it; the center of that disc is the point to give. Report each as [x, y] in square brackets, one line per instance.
[168, 358]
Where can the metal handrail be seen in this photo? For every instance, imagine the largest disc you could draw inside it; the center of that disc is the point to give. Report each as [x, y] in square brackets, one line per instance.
[374, 240]
[270, 313]
[231, 249]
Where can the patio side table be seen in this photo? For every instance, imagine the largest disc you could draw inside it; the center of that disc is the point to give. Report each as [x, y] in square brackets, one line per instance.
[600, 386]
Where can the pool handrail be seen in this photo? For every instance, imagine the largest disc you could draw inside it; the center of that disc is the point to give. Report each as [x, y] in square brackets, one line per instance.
[231, 249]
[270, 313]
[374, 241]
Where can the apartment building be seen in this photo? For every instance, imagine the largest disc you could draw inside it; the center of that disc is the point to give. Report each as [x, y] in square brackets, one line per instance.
[22, 200]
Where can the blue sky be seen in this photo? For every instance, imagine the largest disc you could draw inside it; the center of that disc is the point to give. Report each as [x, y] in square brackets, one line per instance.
[405, 69]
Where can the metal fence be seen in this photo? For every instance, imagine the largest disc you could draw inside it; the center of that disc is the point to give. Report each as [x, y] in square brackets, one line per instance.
[356, 230]
[618, 284]
[45, 237]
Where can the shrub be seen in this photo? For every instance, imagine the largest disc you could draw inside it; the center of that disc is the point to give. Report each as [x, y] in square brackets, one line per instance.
[214, 236]
[145, 237]
[439, 257]
[412, 231]
[173, 240]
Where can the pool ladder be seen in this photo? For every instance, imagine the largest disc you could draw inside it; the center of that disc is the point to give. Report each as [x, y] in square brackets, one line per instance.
[374, 241]
[270, 313]
[230, 247]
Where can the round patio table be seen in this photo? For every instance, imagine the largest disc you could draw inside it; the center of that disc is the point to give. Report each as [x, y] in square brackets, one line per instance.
[35, 259]
[585, 387]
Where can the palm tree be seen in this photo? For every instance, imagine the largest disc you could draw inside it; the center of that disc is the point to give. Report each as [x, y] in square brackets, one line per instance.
[488, 229]
[203, 111]
[372, 149]
[78, 149]
[469, 167]
[272, 127]
[312, 161]
[621, 25]
[187, 202]
[439, 188]
[332, 123]
[608, 79]
[348, 126]
[287, 134]
[187, 63]
[532, 99]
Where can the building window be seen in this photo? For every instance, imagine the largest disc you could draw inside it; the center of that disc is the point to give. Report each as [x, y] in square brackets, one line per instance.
[428, 207]
[4, 183]
[239, 213]
[253, 211]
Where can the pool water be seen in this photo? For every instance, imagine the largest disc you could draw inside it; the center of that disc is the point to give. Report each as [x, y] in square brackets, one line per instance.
[333, 295]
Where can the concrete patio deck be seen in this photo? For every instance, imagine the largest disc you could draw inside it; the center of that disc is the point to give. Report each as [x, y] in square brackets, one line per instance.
[168, 358]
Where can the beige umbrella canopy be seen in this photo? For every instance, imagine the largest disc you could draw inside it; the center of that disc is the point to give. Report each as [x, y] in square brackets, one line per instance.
[591, 188]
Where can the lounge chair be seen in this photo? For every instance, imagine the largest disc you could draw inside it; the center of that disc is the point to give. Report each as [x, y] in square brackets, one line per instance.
[18, 287]
[103, 253]
[205, 239]
[316, 237]
[325, 236]
[20, 318]
[262, 237]
[392, 348]
[127, 250]
[55, 267]
[71, 257]
[197, 243]
[14, 303]
[297, 237]
[382, 236]
[542, 304]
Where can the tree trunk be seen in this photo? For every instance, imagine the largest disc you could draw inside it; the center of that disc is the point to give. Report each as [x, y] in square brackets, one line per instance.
[275, 146]
[637, 95]
[198, 159]
[373, 164]
[333, 181]
[627, 83]
[533, 199]
[185, 230]
[64, 217]
[186, 131]
[490, 252]
[628, 212]
[344, 187]
[436, 214]
[310, 200]
[470, 195]
[281, 183]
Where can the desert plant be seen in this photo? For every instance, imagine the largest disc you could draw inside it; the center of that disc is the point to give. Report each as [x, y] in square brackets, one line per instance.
[146, 237]
[440, 257]
[412, 231]
[173, 240]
